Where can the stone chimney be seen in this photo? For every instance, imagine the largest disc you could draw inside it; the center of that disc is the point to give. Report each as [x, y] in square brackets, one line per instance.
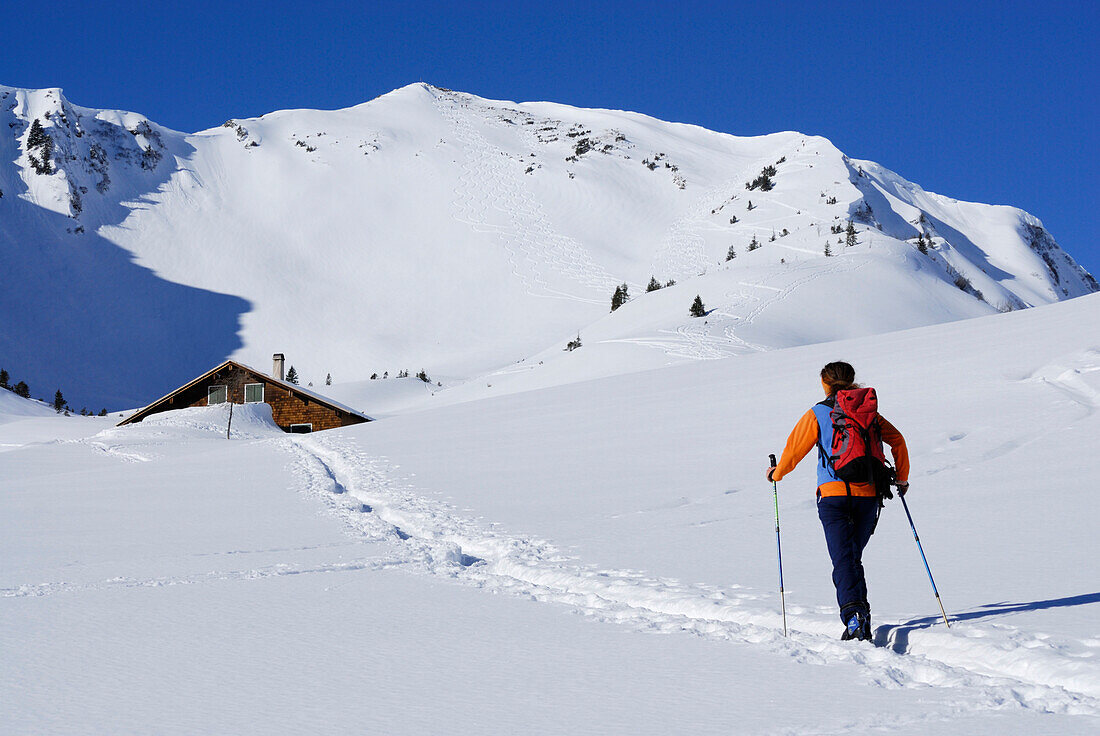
[277, 365]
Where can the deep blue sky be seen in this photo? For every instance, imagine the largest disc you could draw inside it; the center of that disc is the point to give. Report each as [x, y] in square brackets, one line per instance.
[989, 101]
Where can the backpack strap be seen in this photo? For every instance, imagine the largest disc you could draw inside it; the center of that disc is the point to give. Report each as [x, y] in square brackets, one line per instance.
[824, 454]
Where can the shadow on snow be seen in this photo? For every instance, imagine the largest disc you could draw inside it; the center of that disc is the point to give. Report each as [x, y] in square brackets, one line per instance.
[897, 637]
[78, 314]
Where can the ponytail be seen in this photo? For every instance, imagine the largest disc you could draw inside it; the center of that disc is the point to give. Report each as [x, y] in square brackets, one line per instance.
[838, 376]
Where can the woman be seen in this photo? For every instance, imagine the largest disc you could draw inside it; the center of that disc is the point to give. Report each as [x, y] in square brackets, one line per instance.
[848, 510]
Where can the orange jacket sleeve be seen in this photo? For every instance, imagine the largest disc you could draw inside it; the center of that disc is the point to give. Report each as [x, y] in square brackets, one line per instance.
[892, 437]
[802, 439]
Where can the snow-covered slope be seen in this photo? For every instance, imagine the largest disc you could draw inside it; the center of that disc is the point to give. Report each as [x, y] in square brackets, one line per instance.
[12, 406]
[430, 229]
[417, 574]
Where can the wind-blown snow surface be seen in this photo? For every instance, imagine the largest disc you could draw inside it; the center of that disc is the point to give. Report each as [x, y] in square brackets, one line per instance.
[417, 574]
[435, 230]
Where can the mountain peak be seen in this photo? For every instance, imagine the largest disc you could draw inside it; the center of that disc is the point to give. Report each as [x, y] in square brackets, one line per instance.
[432, 229]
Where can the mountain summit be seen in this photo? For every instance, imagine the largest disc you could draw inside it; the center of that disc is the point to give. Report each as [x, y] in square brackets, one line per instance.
[432, 229]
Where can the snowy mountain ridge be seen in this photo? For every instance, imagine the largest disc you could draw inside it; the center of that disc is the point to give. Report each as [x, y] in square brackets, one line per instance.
[431, 229]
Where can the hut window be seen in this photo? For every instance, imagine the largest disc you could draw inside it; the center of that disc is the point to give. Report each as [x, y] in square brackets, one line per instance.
[253, 393]
[216, 395]
[301, 428]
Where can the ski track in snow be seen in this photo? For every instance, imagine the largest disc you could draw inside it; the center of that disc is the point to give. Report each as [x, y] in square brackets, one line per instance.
[683, 250]
[253, 573]
[993, 665]
[489, 187]
[682, 253]
[997, 666]
[1068, 377]
[697, 340]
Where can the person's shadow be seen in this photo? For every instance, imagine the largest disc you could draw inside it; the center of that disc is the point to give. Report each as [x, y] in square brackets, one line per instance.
[896, 637]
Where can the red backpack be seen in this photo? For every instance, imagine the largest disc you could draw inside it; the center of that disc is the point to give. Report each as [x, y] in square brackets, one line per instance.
[856, 450]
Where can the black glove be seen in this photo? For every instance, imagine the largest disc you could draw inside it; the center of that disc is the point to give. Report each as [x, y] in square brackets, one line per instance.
[902, 488]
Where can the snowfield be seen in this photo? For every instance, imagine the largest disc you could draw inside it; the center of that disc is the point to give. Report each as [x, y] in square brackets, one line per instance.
[567, 555]
[434, 230]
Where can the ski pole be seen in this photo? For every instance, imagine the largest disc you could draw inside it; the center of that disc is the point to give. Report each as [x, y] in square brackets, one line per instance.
[779, 548]
[925, 559]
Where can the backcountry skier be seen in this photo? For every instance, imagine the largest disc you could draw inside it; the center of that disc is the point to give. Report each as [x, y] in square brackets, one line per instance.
[848, 509]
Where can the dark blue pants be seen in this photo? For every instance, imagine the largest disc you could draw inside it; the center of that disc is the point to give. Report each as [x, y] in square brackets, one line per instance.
[849, 523]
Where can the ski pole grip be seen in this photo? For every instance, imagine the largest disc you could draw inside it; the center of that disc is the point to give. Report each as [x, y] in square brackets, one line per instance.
[772, 459]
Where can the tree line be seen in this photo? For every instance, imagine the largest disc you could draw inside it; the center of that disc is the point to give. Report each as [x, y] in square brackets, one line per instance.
[59, 403]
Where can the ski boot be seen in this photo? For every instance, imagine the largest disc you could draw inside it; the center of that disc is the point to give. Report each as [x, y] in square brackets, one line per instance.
[857, 624]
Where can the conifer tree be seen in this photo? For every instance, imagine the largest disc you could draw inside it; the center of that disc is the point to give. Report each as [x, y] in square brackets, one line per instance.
[37, 136]
[653, 284]
[620, 297]
[850, 238]
[102, 412]
[754, 244]
[292, 376]
[697, 308]
[4, 379]
[21, 389]
[828, 250]
[328, 379]
[731, 254]
[40, 139]
[922, 246]
[58, 401]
